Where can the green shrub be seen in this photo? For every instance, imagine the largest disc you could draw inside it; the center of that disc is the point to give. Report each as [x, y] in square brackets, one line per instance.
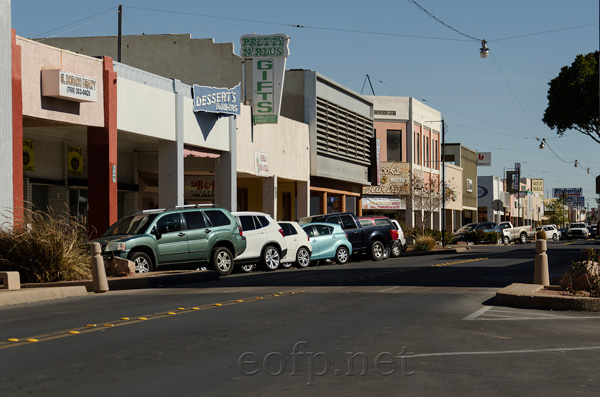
[424, 243]
[493, 237]
[47, 248]
[540, 234]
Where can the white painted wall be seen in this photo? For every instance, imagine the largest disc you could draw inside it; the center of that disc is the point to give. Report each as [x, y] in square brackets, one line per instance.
[286, 144]
[6, 166]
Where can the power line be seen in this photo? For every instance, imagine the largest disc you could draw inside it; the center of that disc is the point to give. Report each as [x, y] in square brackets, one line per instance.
[442, 22]
[544, 32]
[71, 23]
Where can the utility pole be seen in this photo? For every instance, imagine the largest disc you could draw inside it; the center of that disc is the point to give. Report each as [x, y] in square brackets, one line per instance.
[120, 32]
[443, 185]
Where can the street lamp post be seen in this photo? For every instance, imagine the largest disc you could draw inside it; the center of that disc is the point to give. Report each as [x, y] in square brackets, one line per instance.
[443, 185]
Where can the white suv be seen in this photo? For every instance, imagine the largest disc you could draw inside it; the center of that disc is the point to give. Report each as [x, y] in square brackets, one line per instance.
[265, 243]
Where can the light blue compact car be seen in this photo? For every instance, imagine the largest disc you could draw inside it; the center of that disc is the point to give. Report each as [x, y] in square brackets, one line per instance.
[329, 241]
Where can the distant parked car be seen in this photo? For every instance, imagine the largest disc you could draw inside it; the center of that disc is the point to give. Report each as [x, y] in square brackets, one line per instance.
[597, 236]
[487, 227]
[329, 241]
[552, 232]
[265, 241]
[397, 249]
[577, 230]
[298, 244]
[592, 231]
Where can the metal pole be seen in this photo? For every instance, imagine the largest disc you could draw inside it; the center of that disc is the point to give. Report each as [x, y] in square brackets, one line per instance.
[120, 32]
[443, 186]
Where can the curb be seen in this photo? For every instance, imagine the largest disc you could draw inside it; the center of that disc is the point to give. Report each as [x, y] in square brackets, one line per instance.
[434, 252]
[527, 296]
[49, 291]
[28, 295]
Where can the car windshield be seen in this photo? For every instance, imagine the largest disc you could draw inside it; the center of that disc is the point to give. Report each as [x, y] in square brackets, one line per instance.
[466, 228]
[134, 224]
[579, 225]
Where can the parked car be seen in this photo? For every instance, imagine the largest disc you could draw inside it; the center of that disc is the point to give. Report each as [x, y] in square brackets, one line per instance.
[176, 235]
[298, 244]
[487, 227]
[597, 236]
[577, 230]
[329, 241]
[592, 231]
[515, 233]
[265, 241]
[552, 232]
[364, 239]
[401, 239]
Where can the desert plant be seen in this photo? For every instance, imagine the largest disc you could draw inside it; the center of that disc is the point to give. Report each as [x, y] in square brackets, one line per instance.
[583, 274]
[493, 237]
[47, 248]
[424, 243]
[540, 234]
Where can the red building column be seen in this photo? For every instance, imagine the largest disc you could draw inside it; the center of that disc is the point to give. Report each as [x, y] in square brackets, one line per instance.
[17, 126]
[102, 159]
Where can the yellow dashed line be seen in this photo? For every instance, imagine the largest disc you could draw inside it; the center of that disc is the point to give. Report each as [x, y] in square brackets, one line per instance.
[13, 342]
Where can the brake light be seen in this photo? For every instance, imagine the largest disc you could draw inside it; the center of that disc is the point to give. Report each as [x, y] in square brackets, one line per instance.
[241, 231]
[281, 231]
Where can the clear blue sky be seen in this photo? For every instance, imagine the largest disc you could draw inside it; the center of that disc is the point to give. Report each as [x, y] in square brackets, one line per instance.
[490, 105]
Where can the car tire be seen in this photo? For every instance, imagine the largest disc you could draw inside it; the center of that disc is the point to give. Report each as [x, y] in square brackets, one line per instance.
[303, 257]
[377, 251]
[554, 237]
[222, 261]
[270, 258]
[342, 255]
[142, 261]
[387, 252]
[246, 268]
[396, 251]
[506, 240]
[523, 238]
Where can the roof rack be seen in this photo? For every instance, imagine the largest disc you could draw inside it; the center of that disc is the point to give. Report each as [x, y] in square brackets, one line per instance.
[178, 207]
[151, 211]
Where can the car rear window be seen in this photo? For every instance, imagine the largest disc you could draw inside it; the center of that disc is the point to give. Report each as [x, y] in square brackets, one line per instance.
[382, 222]
[247, 222]
[194, 220]
[288, 229]
[218, 218]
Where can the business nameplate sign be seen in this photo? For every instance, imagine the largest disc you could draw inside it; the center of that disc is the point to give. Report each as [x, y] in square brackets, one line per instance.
[69, 86]
[217, 100]
[484, 159]
[268, 54]
[568, 192]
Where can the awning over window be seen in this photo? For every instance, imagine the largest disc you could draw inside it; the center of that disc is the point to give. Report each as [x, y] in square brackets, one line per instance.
[196, 153]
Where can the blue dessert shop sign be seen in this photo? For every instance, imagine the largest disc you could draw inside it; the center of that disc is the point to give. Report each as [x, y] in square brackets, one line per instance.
[217, 100]
[268, 54]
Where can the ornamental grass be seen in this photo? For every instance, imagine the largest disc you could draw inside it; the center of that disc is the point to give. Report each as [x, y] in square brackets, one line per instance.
[46, 248]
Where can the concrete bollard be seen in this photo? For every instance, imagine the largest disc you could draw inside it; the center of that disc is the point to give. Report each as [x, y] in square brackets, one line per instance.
[99, 281]
[541, 275]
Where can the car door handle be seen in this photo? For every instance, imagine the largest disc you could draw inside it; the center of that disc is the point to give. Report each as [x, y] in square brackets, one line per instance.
[181, 234]
[207, 231]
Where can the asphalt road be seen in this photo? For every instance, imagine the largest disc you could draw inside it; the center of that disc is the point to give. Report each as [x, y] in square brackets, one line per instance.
[406, 326]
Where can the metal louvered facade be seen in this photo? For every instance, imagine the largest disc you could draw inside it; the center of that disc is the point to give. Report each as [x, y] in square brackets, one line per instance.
[342, 133]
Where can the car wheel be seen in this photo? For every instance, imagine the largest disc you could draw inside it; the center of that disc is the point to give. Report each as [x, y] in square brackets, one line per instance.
[396, 250]
[523, 238]
[554, 237]
[246, 268]
[303, 257]
[342, 255]
[271, 258]
[143, 263]
[377, 251]
[222, 261]
[387, 252]
[506, 240]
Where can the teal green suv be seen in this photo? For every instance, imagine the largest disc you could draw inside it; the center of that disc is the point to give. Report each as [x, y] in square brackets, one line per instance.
[176, 236]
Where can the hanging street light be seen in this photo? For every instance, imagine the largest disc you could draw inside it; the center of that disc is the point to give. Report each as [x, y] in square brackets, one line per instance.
[484, 50]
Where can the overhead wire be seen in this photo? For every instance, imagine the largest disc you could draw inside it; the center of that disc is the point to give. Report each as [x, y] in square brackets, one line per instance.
[79, 20]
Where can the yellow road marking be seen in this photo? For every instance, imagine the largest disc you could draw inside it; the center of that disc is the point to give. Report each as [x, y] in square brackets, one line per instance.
[13, 342]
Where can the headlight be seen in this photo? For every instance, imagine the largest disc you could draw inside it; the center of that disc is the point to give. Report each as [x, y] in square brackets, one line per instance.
[115, 247]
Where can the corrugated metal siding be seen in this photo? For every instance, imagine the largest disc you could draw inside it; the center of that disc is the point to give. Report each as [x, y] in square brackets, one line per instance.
[6, 157]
